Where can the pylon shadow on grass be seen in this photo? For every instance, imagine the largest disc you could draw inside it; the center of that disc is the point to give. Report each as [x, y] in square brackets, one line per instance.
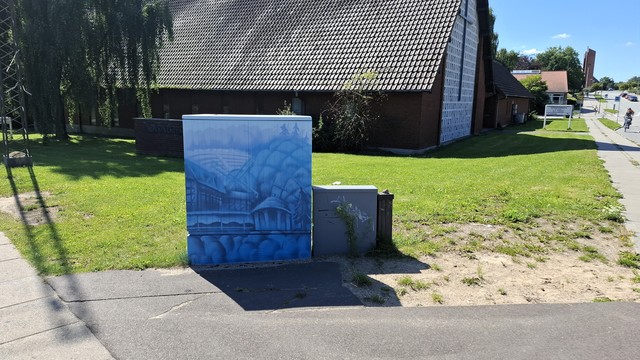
[38, 258]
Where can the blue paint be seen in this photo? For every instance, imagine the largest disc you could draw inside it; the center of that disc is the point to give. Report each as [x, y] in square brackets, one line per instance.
[248, 188]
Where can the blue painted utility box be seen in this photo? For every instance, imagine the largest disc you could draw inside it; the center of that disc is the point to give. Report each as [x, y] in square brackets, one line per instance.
[248, 188]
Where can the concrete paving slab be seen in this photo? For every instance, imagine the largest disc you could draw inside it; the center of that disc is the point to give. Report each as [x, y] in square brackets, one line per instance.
[4, 240]
[622, 160]
[8, 252]
[23, 290]
[32, 318]
[15, 269]
[57, 344]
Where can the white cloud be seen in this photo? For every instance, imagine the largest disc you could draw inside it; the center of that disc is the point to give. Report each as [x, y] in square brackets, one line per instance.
[530, 51]
[629, 44]
[562, 36]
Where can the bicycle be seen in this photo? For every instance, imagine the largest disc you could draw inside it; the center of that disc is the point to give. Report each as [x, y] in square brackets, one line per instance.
[627, 122]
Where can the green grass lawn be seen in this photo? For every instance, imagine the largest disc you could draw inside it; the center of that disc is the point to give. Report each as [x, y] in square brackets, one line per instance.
[610, 124]
[118, 210]
[577, 125]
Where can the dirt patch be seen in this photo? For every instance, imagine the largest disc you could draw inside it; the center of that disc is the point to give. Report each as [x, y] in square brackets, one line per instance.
[487, 265]
[28, 208]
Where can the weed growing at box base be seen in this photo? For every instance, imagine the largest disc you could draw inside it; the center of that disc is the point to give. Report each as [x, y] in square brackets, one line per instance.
[360, 280]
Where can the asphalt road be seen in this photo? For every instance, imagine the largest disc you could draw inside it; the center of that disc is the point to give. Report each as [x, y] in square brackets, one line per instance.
[233, 315]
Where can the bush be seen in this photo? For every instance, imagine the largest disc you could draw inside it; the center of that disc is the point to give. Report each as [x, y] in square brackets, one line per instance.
[350, 114]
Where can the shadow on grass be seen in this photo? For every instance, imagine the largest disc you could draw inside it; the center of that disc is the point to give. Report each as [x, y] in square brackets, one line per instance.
[35, 253]
[518, 142]
[96, 157]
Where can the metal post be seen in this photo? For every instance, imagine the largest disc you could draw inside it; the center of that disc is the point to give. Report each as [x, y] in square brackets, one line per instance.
[12, 110]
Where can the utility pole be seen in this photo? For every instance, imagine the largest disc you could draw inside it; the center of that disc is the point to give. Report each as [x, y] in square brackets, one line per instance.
[15, 136]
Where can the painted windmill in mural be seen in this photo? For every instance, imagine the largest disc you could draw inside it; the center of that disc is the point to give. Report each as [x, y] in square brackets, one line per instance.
[13, 118]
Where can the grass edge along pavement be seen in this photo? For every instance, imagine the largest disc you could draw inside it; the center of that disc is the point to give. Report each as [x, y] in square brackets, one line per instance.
[118, 210]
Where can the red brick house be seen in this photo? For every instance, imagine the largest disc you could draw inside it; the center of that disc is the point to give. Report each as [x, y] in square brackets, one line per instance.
[249, 57]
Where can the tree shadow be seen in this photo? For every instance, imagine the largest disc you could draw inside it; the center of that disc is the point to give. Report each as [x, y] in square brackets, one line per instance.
[517, 143]
[35, 253]
[96, 157]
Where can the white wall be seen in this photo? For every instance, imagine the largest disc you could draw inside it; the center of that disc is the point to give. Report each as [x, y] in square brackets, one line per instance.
[457, 109]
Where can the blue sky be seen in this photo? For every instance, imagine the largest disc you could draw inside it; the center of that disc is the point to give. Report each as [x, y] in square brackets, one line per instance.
[531, 26]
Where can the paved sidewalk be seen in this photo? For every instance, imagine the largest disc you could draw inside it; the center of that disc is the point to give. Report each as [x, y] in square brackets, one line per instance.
[34, 322]
[621, 158]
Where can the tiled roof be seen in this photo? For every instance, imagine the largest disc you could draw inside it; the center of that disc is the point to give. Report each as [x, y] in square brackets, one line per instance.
[306, 45]
[506, 84]
[556, 80]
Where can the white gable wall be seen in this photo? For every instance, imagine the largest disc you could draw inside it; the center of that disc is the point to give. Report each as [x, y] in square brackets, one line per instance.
[460, 74]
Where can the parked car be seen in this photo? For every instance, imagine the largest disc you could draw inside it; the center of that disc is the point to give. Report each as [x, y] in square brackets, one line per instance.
[632, 98]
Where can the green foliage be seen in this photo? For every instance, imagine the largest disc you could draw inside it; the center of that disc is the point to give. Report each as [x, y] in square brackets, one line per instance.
[629, 259]
[286, 110]
[360, 280]
[77, 53]
[508, 58]
[437, 298]
[607, 82]
[323, 136]
[415, 285]
[559, 58]
[602, 299]
[494, 36]
[538, 88]
[345, 213]
[610, 124]
[351, 112]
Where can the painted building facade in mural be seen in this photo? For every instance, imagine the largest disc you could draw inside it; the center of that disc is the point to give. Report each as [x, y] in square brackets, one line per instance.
[248, 187]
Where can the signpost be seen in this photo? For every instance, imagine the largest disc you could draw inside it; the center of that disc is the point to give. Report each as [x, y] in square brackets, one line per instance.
[558, 111]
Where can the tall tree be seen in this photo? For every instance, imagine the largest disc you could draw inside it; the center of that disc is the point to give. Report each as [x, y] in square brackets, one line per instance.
[494, 35]
[538, 88]
[559, 58]
[508, 58]
[77, 53]
[607, 82]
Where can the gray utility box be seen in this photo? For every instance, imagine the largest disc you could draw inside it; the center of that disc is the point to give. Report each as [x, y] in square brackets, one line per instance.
[329, 229]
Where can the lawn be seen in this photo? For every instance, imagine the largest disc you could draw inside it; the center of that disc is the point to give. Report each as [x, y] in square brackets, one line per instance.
[117, 210]
[613, 125]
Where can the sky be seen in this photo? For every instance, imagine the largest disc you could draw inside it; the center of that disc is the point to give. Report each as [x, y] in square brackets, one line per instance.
[611, 28]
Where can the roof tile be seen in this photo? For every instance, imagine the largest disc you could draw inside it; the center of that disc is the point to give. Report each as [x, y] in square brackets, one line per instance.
[305, 44]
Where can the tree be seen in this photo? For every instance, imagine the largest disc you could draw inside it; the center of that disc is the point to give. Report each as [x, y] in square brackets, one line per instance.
[507, 58]
[77, 53]
[526, 62]
[494, 35]
[351, 112]
[538, 88]
[559, 58]
[607, 82]
[596, 86]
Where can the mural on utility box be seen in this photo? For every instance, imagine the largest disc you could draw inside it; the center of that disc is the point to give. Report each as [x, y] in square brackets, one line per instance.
[248, 188]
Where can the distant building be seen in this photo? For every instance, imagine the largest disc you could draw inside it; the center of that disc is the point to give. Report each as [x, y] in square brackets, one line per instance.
[557, 83]
[588, 64]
